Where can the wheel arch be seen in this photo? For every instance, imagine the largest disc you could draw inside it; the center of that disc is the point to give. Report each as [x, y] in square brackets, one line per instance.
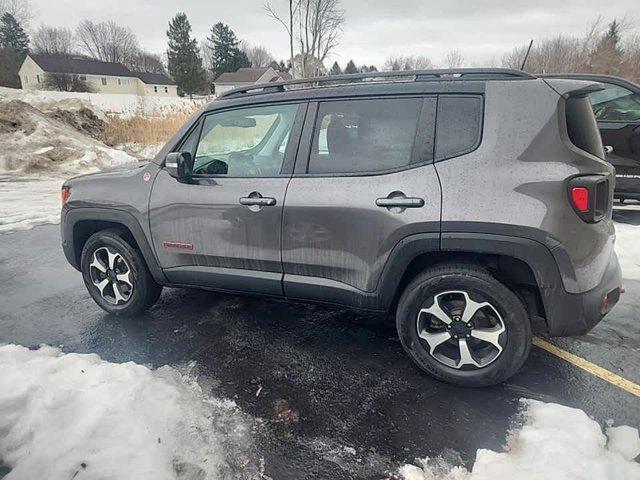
[80, 223]
[524, 265]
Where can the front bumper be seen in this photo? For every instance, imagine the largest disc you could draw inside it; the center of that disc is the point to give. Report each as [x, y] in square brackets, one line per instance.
[577, 313]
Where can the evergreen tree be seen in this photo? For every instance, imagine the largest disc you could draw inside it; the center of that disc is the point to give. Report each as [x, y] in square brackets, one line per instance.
[226, 55]
[12, 35]
[185, 64]
[372, 68]
[335, 69]
[351, 67]
[606, 58]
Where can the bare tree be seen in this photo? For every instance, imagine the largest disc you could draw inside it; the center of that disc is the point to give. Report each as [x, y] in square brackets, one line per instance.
[20, 9]
[288, 25]
[453, 59]
[147, 62]
[107, 41]
[65, 82]
[52, 40]
[411, 62]
[320, 26]
[258, 56]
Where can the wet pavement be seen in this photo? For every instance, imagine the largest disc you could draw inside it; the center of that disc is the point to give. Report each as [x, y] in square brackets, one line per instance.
[338, 398]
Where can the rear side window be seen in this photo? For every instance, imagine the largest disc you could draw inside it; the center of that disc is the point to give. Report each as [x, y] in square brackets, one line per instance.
[616, 104]
[459, 125]
[582, 127]
[364, 136]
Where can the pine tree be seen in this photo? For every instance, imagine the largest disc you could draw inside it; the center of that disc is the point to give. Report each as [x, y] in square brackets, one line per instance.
[606, 58]
[12, 35]
[372, 68]
[226, 55]
[351, 67]
[335, 69]
[185, 64]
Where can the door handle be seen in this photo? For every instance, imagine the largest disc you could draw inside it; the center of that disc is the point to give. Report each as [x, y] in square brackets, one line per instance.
[400, 201]
[259, 201]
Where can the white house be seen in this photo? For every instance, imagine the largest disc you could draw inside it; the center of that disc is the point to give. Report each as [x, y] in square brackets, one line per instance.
[244, 77]
[102, 77]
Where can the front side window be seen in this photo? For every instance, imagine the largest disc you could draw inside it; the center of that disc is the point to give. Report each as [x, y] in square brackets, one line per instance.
[249, 142]
[357, 136]
[616, 104]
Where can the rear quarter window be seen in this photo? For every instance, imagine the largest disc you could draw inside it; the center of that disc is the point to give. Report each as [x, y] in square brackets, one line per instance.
[458, 125]
[582, 127]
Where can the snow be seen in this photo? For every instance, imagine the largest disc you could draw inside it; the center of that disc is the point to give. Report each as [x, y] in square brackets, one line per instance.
[109, 103]
[628, 249]
[68, 415]
[27, 201]
[555, 442]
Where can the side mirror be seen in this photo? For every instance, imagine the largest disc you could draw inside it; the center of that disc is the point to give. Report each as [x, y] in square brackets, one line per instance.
[179, 165]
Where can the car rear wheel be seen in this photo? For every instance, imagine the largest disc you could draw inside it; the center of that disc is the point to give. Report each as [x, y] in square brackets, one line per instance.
[462, 326]
[116, 275]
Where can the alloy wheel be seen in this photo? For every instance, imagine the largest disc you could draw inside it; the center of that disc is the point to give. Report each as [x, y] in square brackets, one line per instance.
[460, 332]
[111, 275]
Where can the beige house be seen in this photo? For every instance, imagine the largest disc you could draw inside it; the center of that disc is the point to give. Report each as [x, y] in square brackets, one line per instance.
[103, 77]
[244, 77]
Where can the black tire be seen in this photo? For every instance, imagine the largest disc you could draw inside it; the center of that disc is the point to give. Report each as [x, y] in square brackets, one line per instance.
[145, 291]
[478, 283]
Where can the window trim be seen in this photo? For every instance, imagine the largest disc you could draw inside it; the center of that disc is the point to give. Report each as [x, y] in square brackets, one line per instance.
[620, 122]
[306, 142]
[290, 153]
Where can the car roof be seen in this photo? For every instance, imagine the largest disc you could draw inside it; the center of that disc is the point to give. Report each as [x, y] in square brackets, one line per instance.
[466, 80]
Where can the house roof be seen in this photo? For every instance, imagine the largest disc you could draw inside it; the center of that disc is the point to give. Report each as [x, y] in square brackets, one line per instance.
[242, 75]
[79, 65]
[88, 66]
[154, 78]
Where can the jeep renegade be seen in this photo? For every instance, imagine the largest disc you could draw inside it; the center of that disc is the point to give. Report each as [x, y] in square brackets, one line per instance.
[467, 202]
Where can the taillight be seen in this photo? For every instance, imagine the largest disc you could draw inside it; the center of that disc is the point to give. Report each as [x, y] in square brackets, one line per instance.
[589, 196]
[580, 198]
[65, 193]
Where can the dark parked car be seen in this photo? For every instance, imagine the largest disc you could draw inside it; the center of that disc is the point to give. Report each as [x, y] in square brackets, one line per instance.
[617, 110]
[465, 202]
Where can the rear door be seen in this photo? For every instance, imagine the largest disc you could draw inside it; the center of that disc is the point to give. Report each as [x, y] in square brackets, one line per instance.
[617, 110]
[364, 179]
[223, 229]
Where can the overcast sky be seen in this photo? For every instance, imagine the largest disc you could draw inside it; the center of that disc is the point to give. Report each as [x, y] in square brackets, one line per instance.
[374, 29]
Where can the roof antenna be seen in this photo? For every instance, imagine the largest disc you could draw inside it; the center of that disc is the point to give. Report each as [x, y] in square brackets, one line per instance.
[524, 62]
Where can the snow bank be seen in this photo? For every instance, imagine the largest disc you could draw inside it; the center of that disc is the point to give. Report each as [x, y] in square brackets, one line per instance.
[555, 442]
[628, 249]
[109, 103]
[27, 201]
[64, 416]
[32, 142]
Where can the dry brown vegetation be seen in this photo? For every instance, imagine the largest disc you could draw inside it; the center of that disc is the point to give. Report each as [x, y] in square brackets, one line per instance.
[612, 49]
[146, 129]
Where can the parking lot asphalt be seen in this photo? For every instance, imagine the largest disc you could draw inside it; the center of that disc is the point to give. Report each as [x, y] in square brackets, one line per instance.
[338, 398]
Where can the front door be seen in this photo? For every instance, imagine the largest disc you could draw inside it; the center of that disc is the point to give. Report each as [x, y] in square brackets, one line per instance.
[363, 181]
[617, 110]
[223, 229]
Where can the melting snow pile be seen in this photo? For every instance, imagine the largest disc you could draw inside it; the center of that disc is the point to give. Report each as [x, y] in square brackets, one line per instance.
[34, 142]
[41, 147]
[556, 442]
[64, 416]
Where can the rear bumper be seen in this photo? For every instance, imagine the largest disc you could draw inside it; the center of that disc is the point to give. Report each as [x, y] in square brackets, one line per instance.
[577, 313]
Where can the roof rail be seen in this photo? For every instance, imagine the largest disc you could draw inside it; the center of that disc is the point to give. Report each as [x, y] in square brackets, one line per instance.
[381, 77]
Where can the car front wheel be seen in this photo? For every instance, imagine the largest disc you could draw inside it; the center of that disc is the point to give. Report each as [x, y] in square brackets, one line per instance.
[116, 275]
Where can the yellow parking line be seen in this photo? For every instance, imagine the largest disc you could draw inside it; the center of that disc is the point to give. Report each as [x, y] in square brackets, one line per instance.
[586, 365]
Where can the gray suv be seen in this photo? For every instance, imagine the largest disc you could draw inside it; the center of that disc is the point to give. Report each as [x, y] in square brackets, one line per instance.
[468, 203]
